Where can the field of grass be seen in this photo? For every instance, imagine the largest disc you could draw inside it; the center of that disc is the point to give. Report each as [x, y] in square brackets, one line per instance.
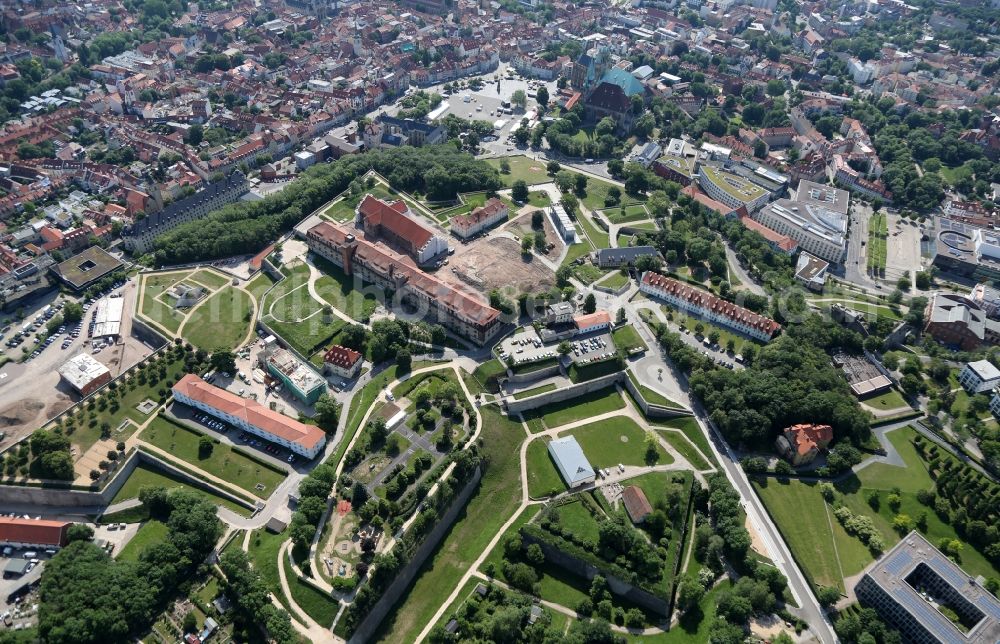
[521, 167]
[220, 322]
[587, 273]
[210, 279]
[263, 552]
[627, 339]
[607, 443]
[692, 431]
[577, 250]
[878, 232]
[163, 313]
[338, 290]
[149, 533]
[636, 212]
[290, 302]
[144, 476]
[597, 192]
[486, 375]
[574, 409]
[818, 542]
[224, 462]
[818, 556]
[535, 391]
[320, 606]
[891, 399]
[956, 174]
[543, 476]
[493, 503]
[615, 280]
[867, 308]
[685, 448]
[259, 285]
[597, 236]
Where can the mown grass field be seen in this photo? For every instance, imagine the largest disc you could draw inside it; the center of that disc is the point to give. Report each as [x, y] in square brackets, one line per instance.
[568, 411]
[144, 476]
[222, 321]
[606, 443]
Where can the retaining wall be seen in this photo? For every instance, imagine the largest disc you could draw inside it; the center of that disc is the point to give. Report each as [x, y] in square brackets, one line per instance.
[558, 395]
[373, 620]
[532, 376]
[646, 599]
[651, 409]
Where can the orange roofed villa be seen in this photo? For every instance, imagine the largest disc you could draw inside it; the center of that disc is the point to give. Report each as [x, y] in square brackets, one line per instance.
[458, 311]
[801, 444]
[709, 307]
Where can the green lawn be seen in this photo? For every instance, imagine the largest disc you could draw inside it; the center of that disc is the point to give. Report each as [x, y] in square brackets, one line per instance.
[614, 280]
[224, 462]
[891, 399]
[685, 448]
[690, 428]
[149, 533]
[539, 199]
[220, 322]
[521, 167]
[211, 279]
[534, 392]
[598, 237]
[822, 548]
[259, 285]
[597, 192]
[144, 476]
[577, 250]
[543, 477]
[495, 501]
[263, 552]
[956, 174]
[486, 375]
[496, 555]
[318, 605]
[576, 518]
[587, 273]
[161, 312]
[636, 212]
[627, 339]
[568, 411]
[343, 210]
[290, 302]
[607, 443]
[338, 289]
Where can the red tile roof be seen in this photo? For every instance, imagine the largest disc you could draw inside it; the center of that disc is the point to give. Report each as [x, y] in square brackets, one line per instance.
[249, 410]
[33, 531]
[341, 356]
[708, 302]
[591, 319]
[804, 438]
[636, 503]
[783, 242]
[392, 216]
[491, 208]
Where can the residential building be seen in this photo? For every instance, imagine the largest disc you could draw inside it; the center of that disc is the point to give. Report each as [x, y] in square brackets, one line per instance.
[342, 361]
[623, 256]
[559, 313]
[589, 322]
[927, 597]
[957, 321]
[33, 533]
[250, 416]
[811, 272]
[801, 444]
[304, 383]
[709, 307]
[732, 189]
[481, 218]
[138, 237]
[979, 376]
[636, 504]
[571, 462]
[393, 222]
[454, 309]
[85, 374]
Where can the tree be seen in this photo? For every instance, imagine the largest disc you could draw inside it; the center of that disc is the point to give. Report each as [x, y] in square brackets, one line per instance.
[403, 360]
[519, 191]
[542, 97]
[79, 532]
[565, 180]
[552, 167]
[519, 98]
[616, 167]
[537, 219]
[689, 594]
[504, 166]
[327, 413]
[190, 624]
[827, 596]
[564, 348]
[526, 242]
[72, 313]
[205, 447]
[223, 361]
[580, 184]
[775, 87]
[195, 135]
[589, 303]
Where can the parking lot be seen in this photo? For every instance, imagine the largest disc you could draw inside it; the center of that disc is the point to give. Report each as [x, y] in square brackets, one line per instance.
[593, 348]
[526, 347]
[231, 435]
